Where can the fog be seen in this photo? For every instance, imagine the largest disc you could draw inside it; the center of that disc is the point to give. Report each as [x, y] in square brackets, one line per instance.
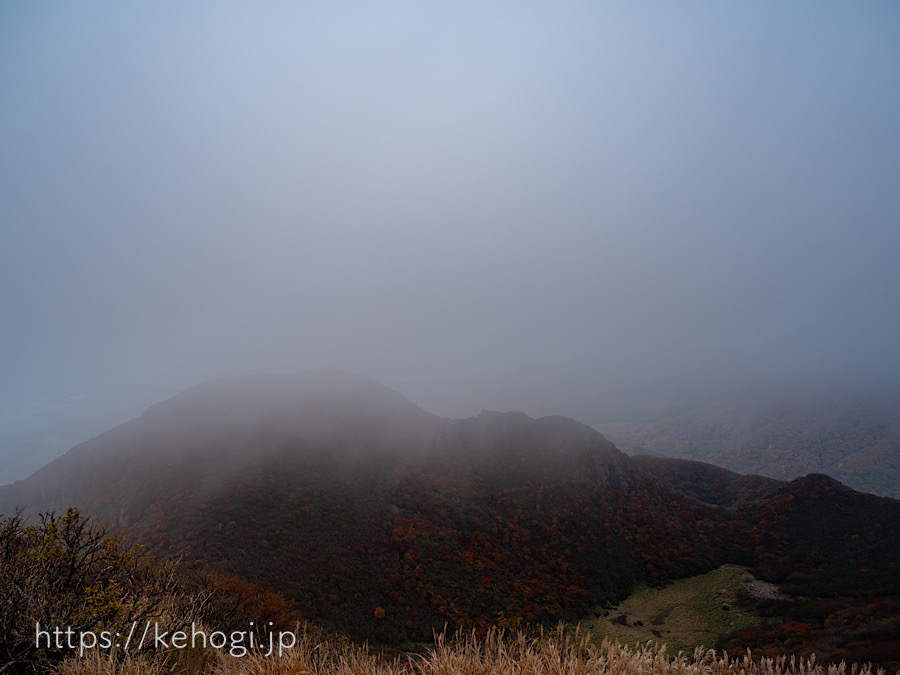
[562, 207]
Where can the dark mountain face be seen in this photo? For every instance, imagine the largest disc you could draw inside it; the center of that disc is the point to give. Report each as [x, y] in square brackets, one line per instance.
[813, 534]
[345, 497]
[339, 492]
[708, 483]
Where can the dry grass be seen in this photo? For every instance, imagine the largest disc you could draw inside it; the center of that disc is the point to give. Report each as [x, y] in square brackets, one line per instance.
[466, 654]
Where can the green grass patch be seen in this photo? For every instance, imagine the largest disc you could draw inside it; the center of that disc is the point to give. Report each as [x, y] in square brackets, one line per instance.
[688, 613]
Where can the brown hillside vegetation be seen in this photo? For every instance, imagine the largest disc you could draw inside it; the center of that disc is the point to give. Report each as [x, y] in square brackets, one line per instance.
[68, 570]
[377, 520]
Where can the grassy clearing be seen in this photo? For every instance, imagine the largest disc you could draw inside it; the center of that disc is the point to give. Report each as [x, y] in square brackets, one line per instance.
[687, 614]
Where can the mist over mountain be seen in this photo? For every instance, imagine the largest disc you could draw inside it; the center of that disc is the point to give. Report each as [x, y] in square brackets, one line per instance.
[614, 214]
[849, 433]
[216, 429]
[573, 208]
[347, 498]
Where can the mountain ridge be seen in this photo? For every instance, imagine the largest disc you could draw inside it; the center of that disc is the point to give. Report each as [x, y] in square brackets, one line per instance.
[347, 498]
[848, 433]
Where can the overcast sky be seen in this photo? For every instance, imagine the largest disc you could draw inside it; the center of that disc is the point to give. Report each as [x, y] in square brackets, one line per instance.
[431, 192]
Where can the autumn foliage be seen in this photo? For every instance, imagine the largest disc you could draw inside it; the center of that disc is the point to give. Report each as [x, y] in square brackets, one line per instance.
[344, 498]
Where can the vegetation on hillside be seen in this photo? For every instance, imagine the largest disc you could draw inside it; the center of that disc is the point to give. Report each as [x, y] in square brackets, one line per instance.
[67, 572]
[376, 520]
[64, 572]
[462, 535]
[67, 585]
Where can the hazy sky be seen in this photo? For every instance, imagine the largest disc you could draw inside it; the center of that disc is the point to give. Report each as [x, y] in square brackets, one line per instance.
[428, 192]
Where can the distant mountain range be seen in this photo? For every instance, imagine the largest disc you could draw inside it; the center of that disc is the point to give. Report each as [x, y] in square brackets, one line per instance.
[853, 437]
[383, 521]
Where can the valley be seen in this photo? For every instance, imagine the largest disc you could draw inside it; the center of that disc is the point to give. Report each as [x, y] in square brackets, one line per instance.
[850, 434]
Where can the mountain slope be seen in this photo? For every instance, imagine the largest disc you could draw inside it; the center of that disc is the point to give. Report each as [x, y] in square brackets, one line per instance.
[346, 497]
[193, 441]
[380, 520]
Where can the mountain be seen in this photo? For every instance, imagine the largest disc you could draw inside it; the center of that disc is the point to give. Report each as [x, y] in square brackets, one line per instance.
[813, 535]
[382, 521]
[851, 435]
[192, 442]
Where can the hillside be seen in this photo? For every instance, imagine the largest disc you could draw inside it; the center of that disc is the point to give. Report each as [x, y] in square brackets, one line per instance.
[382, 521]
[849, 435]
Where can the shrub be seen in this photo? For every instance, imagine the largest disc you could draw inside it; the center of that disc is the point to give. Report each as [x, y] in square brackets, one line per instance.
[64, 573]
